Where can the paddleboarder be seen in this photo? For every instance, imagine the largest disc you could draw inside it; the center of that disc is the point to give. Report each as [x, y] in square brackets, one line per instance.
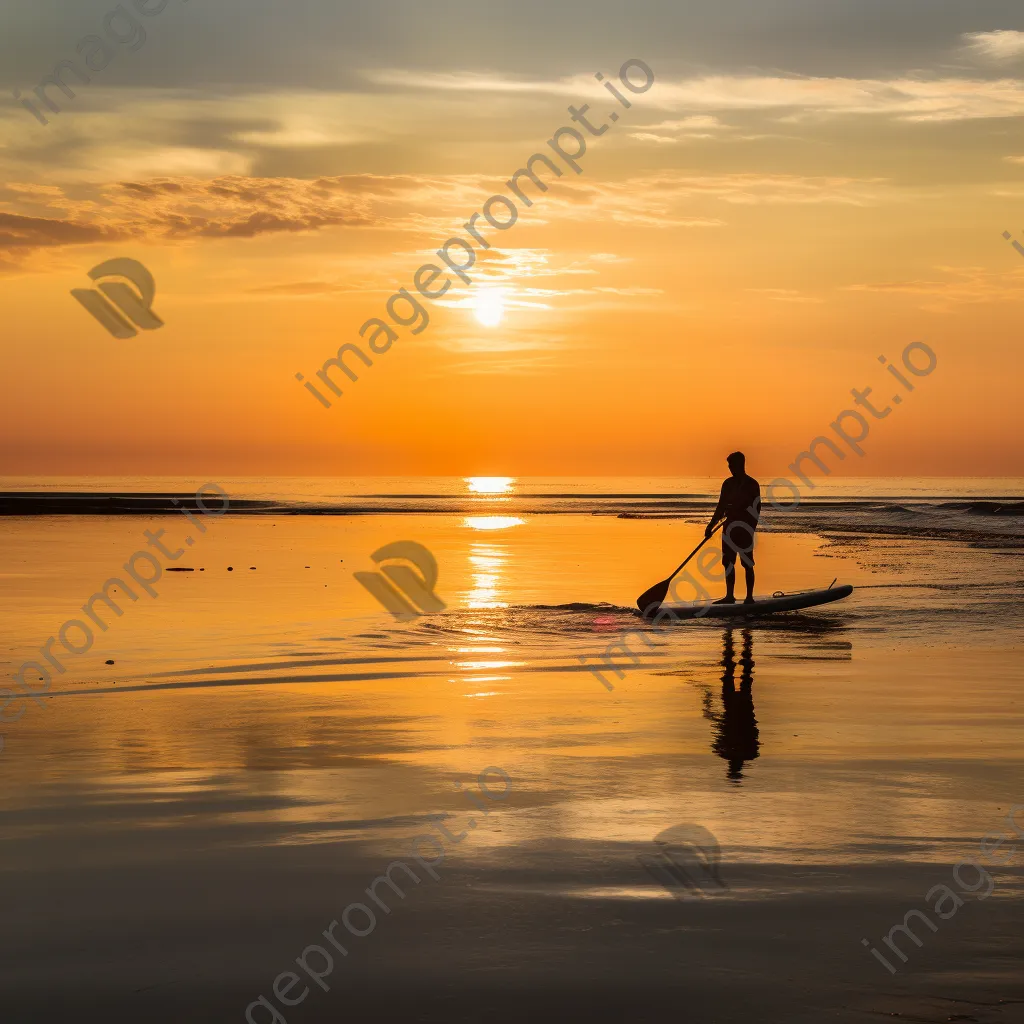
[740, 506]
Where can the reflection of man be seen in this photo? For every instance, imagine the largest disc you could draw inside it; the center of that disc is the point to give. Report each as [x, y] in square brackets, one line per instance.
[737, 740]
[740, 506]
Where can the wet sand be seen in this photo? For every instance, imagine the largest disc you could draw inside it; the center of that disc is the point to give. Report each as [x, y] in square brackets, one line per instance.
[181, 824]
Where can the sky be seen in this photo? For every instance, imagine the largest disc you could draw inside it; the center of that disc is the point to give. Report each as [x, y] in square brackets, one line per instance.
[805, 187]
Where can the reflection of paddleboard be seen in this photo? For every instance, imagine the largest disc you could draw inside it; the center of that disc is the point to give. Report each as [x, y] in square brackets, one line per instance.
[761, 605]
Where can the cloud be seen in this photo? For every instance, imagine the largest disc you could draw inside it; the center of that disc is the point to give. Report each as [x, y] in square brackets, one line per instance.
[421, 120]
[651, 137]
[186, 209]
[230, 207]
[472, 81]
[263, 223]
[960, 287]
[786, 295]
[700, 126]
[296, 288]
[508, 270]
[905, 98]
[1001, 45]
[699, 122]
[28, 233]
[673, 199]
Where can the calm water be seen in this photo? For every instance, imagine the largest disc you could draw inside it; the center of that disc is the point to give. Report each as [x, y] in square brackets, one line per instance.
[179, 824]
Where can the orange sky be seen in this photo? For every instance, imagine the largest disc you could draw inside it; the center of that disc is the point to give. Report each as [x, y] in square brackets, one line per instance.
[740, 248]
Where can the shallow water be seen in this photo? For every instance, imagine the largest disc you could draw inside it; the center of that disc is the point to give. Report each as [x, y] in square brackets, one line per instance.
[268, 739]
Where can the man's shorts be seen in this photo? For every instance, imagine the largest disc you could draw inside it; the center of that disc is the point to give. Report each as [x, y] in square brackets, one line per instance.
[738, 539]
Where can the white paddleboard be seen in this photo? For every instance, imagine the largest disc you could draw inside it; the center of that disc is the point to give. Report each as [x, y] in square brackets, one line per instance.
[761, 605]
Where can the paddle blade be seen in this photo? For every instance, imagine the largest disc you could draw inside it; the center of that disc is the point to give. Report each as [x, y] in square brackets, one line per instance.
[650, 600]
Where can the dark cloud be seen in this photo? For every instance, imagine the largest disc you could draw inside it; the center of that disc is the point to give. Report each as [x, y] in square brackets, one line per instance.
[28, 233]
[296, 288]
[151, 188]
[243, 45]
[270, 223]
[177, 209]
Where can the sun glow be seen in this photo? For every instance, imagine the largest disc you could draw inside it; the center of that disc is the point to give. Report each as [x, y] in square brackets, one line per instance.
[490, 484]
[489, 308]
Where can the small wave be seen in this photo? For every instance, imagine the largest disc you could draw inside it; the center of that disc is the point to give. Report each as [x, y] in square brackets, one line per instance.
[575, 606]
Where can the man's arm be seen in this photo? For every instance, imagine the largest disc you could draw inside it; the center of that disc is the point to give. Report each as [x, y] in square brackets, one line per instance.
[719, 512]
[755, 492]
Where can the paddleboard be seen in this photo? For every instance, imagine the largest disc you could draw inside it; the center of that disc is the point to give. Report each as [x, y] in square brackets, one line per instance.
[761, 605]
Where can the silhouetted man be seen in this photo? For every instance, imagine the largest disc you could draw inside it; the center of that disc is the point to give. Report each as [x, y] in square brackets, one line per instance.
[740, 506]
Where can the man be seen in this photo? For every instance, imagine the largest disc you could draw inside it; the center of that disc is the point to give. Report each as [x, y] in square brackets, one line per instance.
[740, 506]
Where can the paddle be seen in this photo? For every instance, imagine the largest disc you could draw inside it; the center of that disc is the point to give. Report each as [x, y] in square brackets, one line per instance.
[657, 593]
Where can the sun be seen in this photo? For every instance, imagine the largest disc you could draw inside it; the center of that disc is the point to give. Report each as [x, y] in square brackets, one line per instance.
[490, 484]
[489, 308]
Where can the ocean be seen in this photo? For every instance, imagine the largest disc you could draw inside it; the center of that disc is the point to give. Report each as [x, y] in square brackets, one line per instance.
[233, 758]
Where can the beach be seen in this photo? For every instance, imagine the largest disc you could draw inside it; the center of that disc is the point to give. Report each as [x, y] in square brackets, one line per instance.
[182, 823]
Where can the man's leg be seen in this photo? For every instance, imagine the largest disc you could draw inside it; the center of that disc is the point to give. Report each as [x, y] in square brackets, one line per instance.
[741, 542]
[729, 564]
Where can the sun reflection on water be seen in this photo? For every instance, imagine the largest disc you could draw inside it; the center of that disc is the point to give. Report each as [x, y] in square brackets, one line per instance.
[487, 562]
[491, 522]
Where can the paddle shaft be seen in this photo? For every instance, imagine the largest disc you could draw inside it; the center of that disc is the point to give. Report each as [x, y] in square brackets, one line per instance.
[693, 552]
[656, 595]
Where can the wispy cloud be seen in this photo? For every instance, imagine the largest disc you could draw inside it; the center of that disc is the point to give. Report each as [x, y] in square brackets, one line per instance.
[471, 81]
[186, 134]
[905, 98]
[700, 126]
[509, 271]
[1001, 45]
[302, 289]
[667, 199]
[959, 286]
[173, 210]
[786, 295]
[908, 99]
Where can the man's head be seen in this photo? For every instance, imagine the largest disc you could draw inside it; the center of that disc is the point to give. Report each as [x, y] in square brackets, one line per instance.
[737, 463]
